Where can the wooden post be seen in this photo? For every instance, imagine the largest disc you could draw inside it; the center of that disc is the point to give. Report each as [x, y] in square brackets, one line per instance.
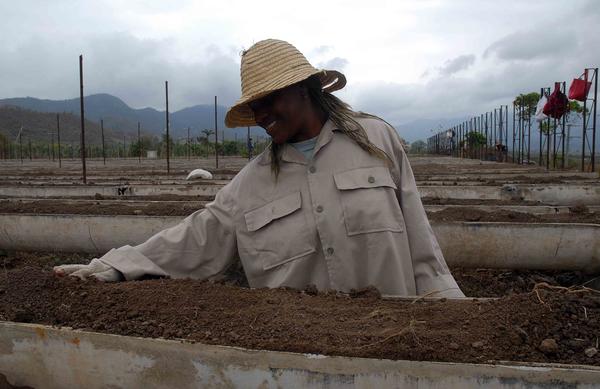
[216, 137]
[102, 132]
[82, 118]
[58, 139]
[167, 121]
[139, 145]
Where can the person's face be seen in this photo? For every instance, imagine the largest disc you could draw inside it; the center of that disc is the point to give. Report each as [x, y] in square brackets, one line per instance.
[282, 113]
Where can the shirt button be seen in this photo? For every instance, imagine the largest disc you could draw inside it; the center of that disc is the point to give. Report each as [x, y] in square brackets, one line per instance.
[312, 169]
[371, 179]
[330, 251]
[319, 208]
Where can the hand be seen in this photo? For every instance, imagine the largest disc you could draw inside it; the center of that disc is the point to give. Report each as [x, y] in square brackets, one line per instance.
[96, 268]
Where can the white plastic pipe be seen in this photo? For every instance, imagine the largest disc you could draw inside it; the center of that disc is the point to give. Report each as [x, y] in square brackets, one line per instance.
[490, 245]
[554, 194]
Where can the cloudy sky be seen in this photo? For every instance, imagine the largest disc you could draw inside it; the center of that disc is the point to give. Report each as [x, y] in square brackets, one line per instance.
[404, 60]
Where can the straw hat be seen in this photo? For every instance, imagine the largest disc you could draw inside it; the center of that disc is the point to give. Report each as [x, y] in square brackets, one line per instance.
[270, 65]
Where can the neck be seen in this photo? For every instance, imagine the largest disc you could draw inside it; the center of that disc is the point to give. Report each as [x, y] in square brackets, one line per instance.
[314, 123]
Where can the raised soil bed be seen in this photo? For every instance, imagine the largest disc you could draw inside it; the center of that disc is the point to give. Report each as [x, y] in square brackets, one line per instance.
[516, 327]
[577, 214]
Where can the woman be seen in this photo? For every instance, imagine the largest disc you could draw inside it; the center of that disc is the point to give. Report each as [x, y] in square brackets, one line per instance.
[332, 202]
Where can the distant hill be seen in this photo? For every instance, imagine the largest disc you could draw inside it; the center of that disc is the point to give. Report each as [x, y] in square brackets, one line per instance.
[39, 126]
[421, 129]
[119, 116]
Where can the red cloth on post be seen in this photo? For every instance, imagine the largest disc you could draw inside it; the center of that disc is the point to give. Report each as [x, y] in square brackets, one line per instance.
[558, 103]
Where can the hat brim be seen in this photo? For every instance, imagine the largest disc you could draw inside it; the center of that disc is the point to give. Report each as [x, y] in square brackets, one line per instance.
[240, 114]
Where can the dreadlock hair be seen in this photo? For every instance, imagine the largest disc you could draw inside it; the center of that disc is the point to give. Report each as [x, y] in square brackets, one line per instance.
[342, 116]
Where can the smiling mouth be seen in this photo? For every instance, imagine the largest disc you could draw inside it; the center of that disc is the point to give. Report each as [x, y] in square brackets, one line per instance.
[271, 125]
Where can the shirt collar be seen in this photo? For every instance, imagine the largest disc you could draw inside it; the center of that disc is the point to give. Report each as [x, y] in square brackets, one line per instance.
[290, 154]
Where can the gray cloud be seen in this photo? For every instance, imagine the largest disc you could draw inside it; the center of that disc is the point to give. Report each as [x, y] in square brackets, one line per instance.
[457, 64]
[120, 64]
[534, 44]
[130, 49]
[336, 63]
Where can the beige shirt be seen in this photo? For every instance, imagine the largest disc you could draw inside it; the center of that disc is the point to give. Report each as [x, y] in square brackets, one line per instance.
[344, 220]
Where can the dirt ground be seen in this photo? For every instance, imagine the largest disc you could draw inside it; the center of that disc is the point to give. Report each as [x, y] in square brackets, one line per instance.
[473, 282]
[98, 208]
[578, 214]
[506, 282]
[521, 179]
[361, 324]
[439, 201]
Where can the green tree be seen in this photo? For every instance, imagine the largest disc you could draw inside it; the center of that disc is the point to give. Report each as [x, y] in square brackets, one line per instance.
[163, 145]
[145, 143]
[205, 140]
[529, 101]
[418, 147]
[575, 111]
[230, 147]
[475, 141]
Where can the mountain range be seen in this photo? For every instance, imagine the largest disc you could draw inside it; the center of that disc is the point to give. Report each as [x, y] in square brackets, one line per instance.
[120, 117]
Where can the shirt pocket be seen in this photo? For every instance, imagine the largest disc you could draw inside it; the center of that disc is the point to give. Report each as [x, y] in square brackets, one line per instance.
[279, 232]
[368, 200]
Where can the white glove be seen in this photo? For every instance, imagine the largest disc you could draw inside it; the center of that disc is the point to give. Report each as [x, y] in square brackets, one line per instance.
[96, 268]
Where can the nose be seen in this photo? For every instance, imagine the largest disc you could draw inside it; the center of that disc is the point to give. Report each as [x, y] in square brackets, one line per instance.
[260, 116]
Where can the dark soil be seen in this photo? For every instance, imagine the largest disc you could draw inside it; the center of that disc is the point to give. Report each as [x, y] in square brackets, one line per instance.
[441, 168]
[538, 180]
[131, 172]
[505, 282]
[473, 282]
[510, 328]
[98, 208]
[10, 260]
[452, 180]
[578, 214]
[439, 201]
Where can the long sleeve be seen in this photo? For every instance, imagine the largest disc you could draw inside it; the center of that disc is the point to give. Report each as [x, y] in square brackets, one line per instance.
[202, 245]
[430, 269]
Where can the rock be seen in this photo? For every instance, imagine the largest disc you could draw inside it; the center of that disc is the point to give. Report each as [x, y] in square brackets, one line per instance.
[454, 346]
[311, 290]
[368, 292]
[549, 346]
[478, 344]
[590, 351]
[576, 344]
[522, 334]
